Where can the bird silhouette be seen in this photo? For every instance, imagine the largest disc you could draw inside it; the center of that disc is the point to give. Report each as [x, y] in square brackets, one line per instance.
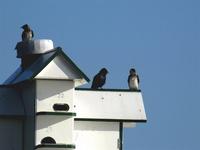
[99, 79]
[27, 34]
[133, 80]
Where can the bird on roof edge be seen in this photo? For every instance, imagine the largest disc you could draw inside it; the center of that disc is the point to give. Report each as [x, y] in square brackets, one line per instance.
[99, 79]
[133, 79]
[27, 34]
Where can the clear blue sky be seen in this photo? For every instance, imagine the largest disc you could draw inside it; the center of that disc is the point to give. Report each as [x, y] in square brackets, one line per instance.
[160, 38]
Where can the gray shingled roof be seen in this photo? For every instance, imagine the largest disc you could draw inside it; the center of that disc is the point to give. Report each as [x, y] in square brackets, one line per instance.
[38, 65]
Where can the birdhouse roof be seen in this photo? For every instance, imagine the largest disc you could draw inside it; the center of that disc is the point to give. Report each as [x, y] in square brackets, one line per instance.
[41, 63]
[10, 103]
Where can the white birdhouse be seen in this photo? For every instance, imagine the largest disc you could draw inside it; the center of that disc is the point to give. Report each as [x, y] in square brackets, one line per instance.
[60, 116]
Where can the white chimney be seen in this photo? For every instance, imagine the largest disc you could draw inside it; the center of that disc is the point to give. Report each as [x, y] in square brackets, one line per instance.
[28, 51]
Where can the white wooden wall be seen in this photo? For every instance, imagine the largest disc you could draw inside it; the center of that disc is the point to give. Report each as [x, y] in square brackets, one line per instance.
[91, 135]
[59, 127]
[49, 92]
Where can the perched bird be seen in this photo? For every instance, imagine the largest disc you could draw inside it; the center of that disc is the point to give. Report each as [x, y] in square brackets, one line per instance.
[133, 80]
[27, 34]
[99, 79]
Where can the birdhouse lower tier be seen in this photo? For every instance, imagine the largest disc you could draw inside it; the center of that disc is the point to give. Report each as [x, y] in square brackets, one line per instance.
[54, 114]
[101, 116]
[54, 128]
[97, 135]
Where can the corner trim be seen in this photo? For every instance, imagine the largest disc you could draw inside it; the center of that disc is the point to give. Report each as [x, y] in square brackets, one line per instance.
[59, 49]
[109, 120]
[56, 113]
[55, 146]
[121, 135]
[102, 90]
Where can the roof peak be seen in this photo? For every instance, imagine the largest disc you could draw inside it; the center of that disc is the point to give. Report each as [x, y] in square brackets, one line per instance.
[39, 63]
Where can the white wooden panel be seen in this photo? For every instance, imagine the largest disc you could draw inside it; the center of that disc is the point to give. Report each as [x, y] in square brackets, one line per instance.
[96, 135]
[116, 105]
[50, 92]
[58, 68]
[60, 128]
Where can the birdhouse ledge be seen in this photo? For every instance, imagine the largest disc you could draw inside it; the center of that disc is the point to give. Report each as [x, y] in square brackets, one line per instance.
[119, 105]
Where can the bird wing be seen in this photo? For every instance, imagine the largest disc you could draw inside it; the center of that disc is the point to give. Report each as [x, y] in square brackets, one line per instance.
[23, 35]
[98, 81]
[129, 77]
[32, 33]
[102, 80]
[138, 79]
[95, 82]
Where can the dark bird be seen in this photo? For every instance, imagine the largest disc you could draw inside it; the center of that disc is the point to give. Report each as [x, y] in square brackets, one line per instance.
[99, 79]
[133, 80]
[27, 34]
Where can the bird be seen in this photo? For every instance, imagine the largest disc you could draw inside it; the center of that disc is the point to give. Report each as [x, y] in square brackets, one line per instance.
[99, 79]
[133, 80]
[27, 34]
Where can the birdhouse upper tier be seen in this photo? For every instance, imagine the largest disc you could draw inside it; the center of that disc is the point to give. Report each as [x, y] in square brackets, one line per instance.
[39, 59]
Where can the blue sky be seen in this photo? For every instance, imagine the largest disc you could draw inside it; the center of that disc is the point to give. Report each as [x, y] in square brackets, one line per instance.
[160, 38]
